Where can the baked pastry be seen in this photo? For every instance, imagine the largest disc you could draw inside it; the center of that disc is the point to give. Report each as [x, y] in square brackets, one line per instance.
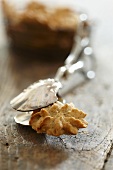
[58, 119]
[39, 27]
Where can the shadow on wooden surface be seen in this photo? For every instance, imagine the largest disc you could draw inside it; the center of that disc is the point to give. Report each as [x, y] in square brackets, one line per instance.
[42, 158]
[30, 135]
[37, 150]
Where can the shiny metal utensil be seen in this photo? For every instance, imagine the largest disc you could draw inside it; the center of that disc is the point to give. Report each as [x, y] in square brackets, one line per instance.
[23, 119]
[37, 95]
[81, 56]
[46, 92]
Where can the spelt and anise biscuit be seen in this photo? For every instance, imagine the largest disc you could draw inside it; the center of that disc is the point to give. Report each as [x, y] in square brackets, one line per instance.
[58, 119]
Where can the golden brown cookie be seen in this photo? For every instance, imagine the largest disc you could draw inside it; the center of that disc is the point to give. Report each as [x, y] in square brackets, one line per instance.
[58, 119]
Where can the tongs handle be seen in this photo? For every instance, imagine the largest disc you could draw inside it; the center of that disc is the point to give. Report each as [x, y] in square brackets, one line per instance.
[80, 49]
[81, 40]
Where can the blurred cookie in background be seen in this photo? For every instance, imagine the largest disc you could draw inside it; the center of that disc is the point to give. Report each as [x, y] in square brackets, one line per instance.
[47, 32]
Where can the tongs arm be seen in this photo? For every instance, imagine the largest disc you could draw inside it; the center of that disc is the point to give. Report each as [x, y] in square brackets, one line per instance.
[75, 61]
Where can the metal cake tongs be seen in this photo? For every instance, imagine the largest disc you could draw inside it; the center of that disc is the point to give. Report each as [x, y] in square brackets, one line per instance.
[45, 92]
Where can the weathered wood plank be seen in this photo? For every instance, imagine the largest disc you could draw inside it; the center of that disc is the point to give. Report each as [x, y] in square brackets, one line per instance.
[22, 148]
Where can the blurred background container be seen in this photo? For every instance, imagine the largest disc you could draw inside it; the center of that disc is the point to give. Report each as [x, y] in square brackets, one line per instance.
[39, 28]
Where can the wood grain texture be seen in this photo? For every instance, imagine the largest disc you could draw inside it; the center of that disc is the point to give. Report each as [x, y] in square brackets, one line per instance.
[109, 164]
[91, 149]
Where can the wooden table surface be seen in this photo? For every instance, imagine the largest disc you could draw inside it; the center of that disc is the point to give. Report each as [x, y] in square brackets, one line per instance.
[92, 148]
